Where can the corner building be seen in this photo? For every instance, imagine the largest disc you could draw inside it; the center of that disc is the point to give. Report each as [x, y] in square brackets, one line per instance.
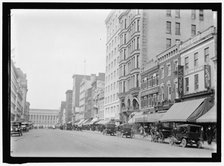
[143, 35]
[111, 100]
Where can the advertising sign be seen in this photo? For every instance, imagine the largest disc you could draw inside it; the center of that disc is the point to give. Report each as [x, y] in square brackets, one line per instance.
[207, 75]
[180, 80]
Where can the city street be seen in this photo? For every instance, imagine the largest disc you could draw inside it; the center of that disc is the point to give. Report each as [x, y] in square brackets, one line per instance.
[64, 143]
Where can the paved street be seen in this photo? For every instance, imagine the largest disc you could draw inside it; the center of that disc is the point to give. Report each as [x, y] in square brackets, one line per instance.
[62, 143]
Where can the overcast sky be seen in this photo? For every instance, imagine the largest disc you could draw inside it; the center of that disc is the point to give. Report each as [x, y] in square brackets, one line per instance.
[51, 45]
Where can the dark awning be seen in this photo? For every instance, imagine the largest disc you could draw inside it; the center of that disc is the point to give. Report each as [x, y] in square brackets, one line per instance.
[209, 117]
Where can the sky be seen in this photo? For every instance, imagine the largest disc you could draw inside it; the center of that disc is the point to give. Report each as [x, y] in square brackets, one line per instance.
[50, 47]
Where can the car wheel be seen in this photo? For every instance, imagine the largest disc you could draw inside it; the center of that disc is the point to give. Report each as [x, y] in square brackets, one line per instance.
[183, 143]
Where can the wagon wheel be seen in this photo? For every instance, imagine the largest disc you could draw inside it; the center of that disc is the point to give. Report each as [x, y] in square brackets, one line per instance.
[183, 143]
[171, 142]
[161, 136]
[199, 144]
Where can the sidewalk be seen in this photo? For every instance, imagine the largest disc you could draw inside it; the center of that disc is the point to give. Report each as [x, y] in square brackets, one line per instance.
[205, 145]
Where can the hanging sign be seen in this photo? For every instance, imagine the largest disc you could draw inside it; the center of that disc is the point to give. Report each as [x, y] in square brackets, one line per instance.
[180, 80]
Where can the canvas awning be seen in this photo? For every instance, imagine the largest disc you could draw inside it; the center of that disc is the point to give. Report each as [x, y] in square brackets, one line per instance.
[133, 116]
[180, 112]
[210, 116]
[93, 121]
[80, 122]
[103, 121]
[87, 121]
[154, 117]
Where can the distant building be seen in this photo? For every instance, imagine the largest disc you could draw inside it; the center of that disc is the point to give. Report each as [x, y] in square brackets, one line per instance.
[19, 105]
[98, 85]
[68, 106]
[43, 117]
[60, 114]
[77, 79]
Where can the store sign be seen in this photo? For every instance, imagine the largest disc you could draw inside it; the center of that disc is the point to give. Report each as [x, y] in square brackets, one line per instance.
[180, 80]
[207, 75]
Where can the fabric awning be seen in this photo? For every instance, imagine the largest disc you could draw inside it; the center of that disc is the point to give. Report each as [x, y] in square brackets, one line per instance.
[133, 117]
[93, 121]
[103, 121]
[87, 121]
[80, 122]
[154, 117]
[210, 116]
[180, 112]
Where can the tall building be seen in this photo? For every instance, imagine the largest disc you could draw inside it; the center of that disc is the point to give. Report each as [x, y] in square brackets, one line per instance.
[111, 100]
[60, 114]
[68, 106]
[77, 79]
[98, 85]
[143, 35]
[84, 86]
[19, 105]
[43, 117]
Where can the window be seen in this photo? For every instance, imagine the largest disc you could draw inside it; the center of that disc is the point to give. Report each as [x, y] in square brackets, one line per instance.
[186, 63]
[169, 69]
[177, 31]
[201, 15]
[187, 84]
[169, 91]
[162, 72]
[168, 27]
[175, 65]
[168, 43]
[196, 59]
[176, 89]
[193, 30]
[196, 82]
[137, 43]
[168, 13]
[137, 61]
[138, 25]
[177, 13]
[206, 53]
[137, 80]
[193, 14]
[162, 92]
[124, 38]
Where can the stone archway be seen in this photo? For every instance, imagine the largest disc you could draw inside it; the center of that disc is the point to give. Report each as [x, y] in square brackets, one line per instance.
[135, 104]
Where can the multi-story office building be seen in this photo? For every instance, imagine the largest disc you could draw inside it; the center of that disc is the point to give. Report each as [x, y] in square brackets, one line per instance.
[43, 117]
[143, 35]
[19, 106]
[60, 114]
[111, 100]
[68, 106]
[98, 85]
[84, 86]
[76, 90]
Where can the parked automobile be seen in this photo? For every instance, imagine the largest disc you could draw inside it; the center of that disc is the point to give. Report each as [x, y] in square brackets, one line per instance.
[16, 128]
[126, 130]
[109, 129]
[25, 126]
[187, 134]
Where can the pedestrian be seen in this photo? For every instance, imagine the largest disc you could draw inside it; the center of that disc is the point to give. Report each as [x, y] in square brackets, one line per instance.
[142, 130]
[209, 135]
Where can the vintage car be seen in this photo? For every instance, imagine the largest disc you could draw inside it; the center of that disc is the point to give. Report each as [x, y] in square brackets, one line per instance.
[110, 128]
[126, 130]
[187, 134]
[16, 128]
[25, 126]
[161, 131]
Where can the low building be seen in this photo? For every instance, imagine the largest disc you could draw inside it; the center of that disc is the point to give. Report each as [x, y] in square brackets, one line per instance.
[43, 117]
[149, 93]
